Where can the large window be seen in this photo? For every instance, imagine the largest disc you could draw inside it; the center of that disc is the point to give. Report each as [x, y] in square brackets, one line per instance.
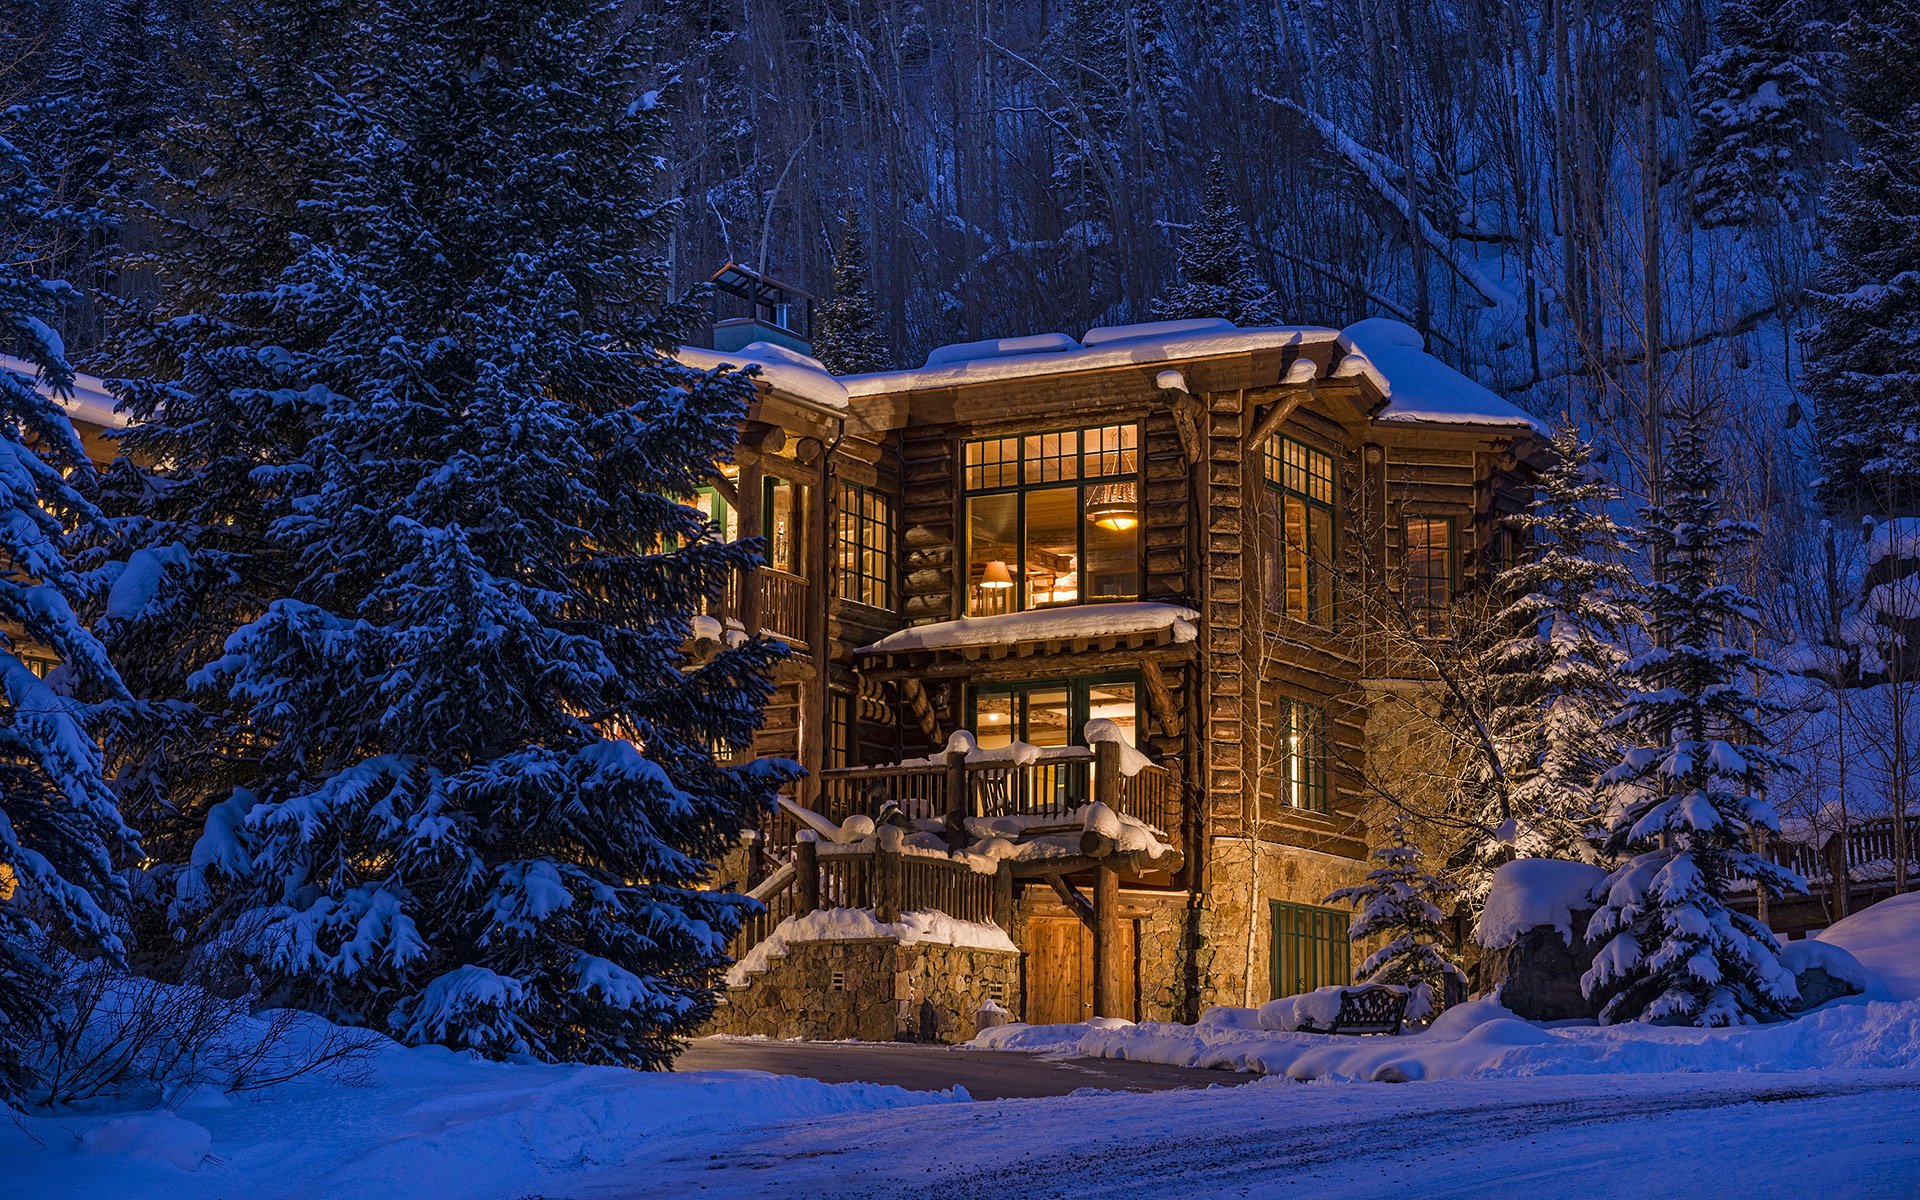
[1430, 573]
[1299, 525]
[784, 522]
[1052, 713]
[1053, 519]
[866, 546]
[1310, 948]
[1304, 756]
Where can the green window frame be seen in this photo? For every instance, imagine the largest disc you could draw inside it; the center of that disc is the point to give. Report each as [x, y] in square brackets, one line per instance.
[1098, 470]
[1304, 757]
[1431, 578]
[1301, 529]
[1310, 948]
[1079, 691]
[865, 546]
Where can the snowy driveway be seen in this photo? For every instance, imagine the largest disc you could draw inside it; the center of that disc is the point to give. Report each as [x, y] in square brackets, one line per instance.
[986, 1075]
[1741, 1137]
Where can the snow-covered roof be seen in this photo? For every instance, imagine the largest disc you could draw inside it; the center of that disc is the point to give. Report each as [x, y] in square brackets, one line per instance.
[1420, 389]
[1112, 346]
[1045, 625]
[787, 370]
[90, 402]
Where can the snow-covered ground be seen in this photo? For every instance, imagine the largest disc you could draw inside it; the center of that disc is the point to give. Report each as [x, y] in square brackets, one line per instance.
[1828, 1105]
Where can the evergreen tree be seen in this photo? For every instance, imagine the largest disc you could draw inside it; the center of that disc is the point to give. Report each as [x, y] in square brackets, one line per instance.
[1760, 107]
[487, 785]
[60, 831]
[1217, 277]
[846, 330]
[1552, 673]
[1397, 903]
[1692, 787]
[1863, 353]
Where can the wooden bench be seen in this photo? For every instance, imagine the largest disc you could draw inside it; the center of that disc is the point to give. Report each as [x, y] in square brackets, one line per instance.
[1376, 1008]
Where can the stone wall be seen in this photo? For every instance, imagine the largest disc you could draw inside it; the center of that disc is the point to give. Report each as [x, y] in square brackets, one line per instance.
[1287, 873]
[883, 991]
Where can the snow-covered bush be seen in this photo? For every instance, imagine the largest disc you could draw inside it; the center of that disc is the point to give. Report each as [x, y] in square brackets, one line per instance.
[123, 1038]
[1396, 903]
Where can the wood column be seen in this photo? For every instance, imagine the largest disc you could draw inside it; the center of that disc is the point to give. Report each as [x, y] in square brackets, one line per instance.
[1109, 973]
[886, 873]
[806, 872]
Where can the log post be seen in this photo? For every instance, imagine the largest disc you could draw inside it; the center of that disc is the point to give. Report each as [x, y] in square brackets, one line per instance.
[806, 873]
[1836, 854]
[886, 874]
[1106, 774]
[956, 785]
[1003, 896]
[1108, 982]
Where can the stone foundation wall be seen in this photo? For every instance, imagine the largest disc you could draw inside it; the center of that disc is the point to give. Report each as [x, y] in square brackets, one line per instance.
[885, 991]
[1286, 873]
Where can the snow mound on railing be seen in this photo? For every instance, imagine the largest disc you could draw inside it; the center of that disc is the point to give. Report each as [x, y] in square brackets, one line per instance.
[856, 924]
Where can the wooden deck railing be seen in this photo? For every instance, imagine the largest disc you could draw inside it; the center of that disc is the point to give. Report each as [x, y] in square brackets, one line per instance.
[1054, 785]
[881, 874]
[1858, 851]
[781, 602]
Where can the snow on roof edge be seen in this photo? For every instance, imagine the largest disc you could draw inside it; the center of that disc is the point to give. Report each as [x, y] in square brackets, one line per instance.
[1079, 620]
[90, 402]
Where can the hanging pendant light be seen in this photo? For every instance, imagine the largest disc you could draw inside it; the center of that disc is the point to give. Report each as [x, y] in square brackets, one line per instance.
[1114, 506]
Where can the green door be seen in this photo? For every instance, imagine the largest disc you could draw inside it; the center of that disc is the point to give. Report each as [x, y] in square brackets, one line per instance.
[1310, 948]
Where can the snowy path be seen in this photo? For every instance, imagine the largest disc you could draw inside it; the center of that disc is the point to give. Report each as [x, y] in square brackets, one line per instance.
[986, 1075]
[1750, 1137]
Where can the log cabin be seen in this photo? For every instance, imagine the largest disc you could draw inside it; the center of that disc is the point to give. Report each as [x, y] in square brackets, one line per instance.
[1081, 660]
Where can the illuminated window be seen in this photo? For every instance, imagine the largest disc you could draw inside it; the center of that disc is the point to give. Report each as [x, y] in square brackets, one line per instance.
[1052, 713]
[1053, 519]
[866, 546]
[1299, 527]
[1304, 756]
[1430, 573]
[784, 520]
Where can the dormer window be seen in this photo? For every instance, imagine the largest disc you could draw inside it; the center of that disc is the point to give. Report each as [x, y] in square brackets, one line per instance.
[1053, 519]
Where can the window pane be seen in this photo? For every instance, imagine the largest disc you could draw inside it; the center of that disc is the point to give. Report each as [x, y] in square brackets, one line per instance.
[1113, 554]
[1306, 757]
[1320, 565]
[993, 566]
[1295, 553]
[1052, 457]
[992, 463]
[1429, 564]
[785, 523]
[1111, 450]
[1048, 717]
[993, 719]
[1051, 561]
[1116, 702]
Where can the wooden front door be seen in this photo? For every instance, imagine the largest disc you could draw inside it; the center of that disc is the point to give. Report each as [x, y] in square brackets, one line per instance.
[1060, 970]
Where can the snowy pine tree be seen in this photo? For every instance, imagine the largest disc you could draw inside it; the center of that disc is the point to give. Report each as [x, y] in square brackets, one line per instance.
[1760, 114]
[1691, 788]
[60, 831]
[1397, 903]
[486, 783]
[1863, 354]
[846, 329]
[1553, 674]
[1217, 277]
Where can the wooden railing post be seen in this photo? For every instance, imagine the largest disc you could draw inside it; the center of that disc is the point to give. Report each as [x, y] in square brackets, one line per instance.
[1003, 896]
[886, 873]
[957, 801]
[806, 872]
[1835, 852]
[1106, 774]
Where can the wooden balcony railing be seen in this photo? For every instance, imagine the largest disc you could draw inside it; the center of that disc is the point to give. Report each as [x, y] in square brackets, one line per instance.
[1053, 785]
[881, 874]
[782, 604]
[1864, 851]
